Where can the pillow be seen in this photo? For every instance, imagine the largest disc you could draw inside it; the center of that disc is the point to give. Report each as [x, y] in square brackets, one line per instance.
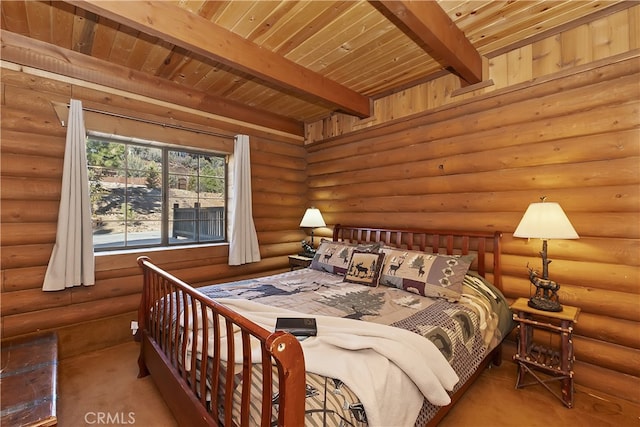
[364, 268]
[334, 257]
[430, 275]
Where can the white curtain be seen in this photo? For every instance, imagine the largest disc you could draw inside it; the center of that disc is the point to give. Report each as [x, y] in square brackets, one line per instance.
[72, 262]
[243, 247]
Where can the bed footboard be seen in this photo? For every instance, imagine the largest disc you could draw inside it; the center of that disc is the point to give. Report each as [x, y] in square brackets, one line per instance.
[199, 355]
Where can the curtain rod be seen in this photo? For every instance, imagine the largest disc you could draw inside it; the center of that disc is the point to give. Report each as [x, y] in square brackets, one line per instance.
[153, 122]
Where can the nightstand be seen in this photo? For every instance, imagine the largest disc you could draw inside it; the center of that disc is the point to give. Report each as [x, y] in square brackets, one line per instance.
[554, 359]
[299, 261]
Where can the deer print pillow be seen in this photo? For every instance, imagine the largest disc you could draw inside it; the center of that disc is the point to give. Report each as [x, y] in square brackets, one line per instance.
[430, 275]
[334, 257]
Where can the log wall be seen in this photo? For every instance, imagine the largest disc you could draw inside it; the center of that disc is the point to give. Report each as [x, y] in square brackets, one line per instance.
[32, 149]
[562, 121]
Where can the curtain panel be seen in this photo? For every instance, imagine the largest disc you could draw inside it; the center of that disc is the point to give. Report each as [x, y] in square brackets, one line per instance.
[243, 240]
[72, 261]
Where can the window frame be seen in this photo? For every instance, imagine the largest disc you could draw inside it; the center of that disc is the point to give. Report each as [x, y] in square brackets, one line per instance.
[166, 219]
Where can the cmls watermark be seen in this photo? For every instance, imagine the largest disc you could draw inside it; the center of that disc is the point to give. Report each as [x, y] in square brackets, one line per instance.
[103, 418]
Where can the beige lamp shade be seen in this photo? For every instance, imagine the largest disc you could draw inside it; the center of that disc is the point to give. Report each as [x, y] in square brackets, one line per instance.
[545, 220]
[312, 218]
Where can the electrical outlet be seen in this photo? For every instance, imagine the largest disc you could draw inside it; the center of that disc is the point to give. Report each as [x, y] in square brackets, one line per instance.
[134, 327]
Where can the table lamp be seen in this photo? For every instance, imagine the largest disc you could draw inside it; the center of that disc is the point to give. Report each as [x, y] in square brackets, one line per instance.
[545, 220]
[312, 218]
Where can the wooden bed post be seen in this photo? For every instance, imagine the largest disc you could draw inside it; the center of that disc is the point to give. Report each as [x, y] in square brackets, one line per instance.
[497, 264]
[143, 313]
[291, 373]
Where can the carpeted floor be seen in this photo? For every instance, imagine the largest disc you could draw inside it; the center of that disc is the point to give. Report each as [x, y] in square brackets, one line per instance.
[102, 388]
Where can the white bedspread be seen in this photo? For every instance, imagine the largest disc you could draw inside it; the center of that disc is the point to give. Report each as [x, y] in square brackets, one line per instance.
[390, 369]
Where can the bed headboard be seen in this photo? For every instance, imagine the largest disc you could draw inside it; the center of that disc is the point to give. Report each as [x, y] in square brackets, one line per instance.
[486, 245]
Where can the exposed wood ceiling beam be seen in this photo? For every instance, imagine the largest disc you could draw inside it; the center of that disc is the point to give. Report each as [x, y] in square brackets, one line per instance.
[428, 24]
[194, 33]
[37, 54]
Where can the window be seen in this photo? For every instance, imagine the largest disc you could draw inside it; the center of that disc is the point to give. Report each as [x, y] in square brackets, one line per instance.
[146, 194]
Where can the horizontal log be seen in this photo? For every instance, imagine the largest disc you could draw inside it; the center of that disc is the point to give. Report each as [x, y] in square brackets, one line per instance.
[608, 381]
[612, 225]
[14, 142]
[592, 174]
[266, 173]
[271, 210]
[619, 305]
[615, 198]
[14, 119]
[107, 288]
[25, 255]
[27, 233]
[18, 211]
[54, 318]
[609, 329]
[619, 277]
[267, 160]
[606, 355]
[273, 200]
[19, 279]
[33, 300]
[284, 236]
[34, 189]
[266, 184]
[281, 249]
[29, 166]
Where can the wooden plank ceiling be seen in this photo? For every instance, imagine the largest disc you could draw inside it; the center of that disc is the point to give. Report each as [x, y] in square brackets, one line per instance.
[278, 63]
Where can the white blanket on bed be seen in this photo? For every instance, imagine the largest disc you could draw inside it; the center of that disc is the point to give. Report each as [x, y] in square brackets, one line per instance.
[391, 370]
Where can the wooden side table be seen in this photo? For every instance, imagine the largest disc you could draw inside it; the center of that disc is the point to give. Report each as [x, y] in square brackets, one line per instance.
[299, 261]
[554, 360]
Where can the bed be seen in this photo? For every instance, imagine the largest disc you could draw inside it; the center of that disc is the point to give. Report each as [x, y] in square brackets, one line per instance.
[376, 294]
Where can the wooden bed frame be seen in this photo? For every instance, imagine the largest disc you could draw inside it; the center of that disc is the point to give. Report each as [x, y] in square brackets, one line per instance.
[165, 297]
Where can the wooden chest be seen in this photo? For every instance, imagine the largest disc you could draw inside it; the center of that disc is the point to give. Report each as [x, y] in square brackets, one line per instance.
[28, 379]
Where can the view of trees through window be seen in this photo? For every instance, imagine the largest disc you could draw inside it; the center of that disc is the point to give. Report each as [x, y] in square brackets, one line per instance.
[146, 195]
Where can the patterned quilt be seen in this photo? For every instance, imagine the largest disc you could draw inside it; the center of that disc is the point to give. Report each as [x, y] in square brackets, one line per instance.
[464, 332]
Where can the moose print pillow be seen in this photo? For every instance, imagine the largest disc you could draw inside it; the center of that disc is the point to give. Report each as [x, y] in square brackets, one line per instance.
[430, 275]
[364, 268]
